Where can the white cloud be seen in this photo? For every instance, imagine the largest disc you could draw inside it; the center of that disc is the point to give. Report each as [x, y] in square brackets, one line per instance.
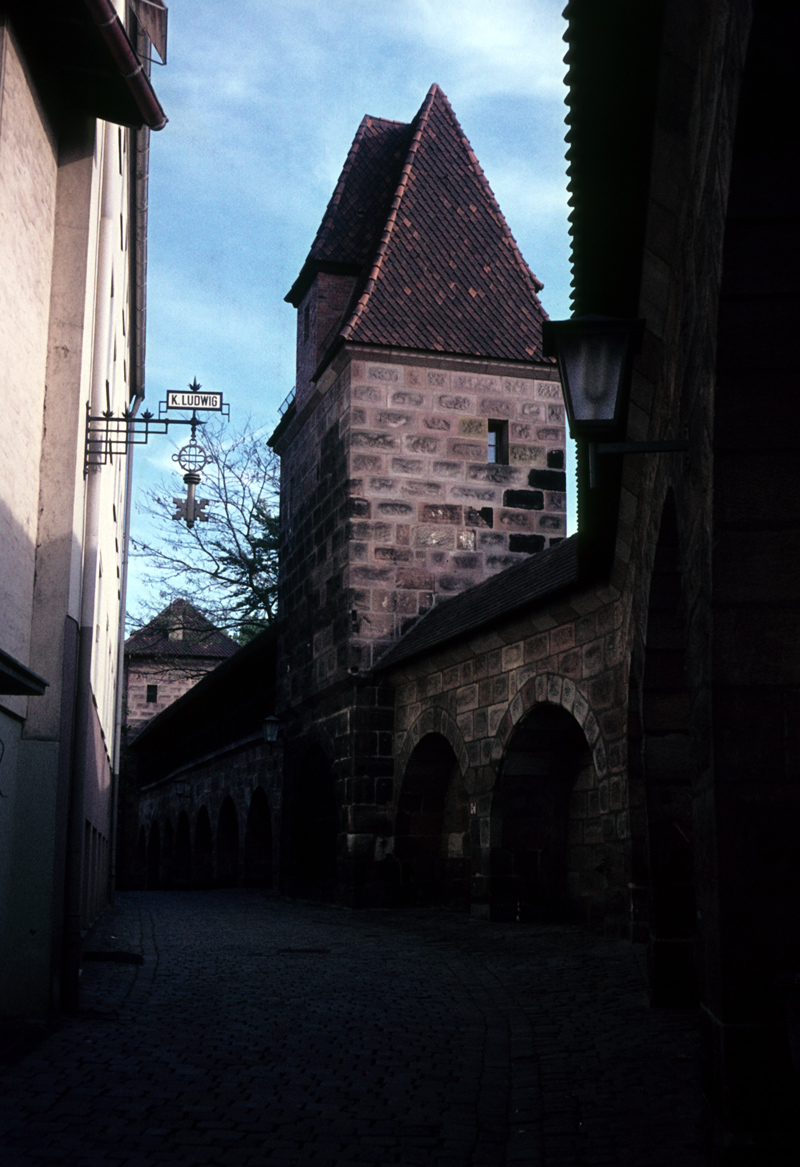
[501, 46]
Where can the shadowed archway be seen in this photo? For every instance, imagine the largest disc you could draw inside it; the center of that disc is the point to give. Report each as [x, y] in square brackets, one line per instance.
[547, 854]
[154, 858]
[140, 861]
[258, 841]
[168, 857]
[183, 853]
[432, 839]
[227, 845]
[203, 850]
[314, 828]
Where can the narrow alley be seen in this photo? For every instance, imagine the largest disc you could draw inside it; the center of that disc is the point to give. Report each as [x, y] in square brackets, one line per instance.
[254, 1030]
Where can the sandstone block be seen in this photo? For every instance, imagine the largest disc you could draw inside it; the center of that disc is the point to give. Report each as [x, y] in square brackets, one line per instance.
[441, 537]
[392, 419]
[473, 427]
[421, 443]
[440, 513]
[405, 397]
[497, 407]
[434, 422]
[455, 402]
[448, 469]
[384, 373]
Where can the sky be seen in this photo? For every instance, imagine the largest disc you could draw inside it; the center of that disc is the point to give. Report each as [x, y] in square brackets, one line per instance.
[264, 98]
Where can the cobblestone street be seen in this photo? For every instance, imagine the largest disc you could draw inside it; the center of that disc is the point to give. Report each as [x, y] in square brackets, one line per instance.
[260, 1031]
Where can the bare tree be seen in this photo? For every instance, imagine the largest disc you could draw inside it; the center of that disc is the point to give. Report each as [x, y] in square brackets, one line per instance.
[226, 567]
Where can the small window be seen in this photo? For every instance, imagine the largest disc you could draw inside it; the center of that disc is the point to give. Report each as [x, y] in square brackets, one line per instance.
[498, 442]
[152, 694]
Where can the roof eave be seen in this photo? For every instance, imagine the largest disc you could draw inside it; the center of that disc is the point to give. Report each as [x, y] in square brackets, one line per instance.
[310, 270]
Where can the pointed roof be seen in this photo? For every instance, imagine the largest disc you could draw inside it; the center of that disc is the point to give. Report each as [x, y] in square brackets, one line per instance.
[196, 635]
[414, 218]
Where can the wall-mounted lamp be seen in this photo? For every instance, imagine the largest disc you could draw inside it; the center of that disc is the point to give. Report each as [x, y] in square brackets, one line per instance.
[594, 359]
[270, 726]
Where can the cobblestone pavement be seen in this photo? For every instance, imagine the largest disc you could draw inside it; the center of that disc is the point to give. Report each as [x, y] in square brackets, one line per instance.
[259, 1031]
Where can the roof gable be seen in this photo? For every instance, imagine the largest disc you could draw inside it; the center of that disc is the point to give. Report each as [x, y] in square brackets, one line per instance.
[414, 216]
[180, 630]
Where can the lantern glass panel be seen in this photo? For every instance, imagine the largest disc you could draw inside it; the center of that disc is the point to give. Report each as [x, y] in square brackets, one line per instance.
[593, 362]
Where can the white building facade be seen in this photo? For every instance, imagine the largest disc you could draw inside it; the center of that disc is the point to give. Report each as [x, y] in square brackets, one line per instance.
[75, 115]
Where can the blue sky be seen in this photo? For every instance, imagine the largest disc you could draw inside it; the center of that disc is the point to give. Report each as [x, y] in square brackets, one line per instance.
[264, 97]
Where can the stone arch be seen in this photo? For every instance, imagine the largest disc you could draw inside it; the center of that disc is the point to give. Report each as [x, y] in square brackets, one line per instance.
[258, 847]
[154, 858]
[227, 844]
[314, 827]
[432, 720]
[203, 850]
[183, 877]
[552, 689]
[432, 828]
[547, 853]
[661, 770]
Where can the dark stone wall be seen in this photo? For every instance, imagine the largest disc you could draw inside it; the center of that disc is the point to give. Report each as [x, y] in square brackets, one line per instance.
[226, 791]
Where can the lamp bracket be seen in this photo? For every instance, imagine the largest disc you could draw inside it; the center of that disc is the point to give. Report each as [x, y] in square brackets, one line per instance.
[667, 446]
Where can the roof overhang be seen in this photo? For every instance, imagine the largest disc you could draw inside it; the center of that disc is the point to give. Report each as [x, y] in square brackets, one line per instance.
[17, 680]
[310, 269]
[80, 48]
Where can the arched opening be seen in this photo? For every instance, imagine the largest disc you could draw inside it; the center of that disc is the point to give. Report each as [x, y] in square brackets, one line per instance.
[227, 845]
[154, 858]
[168, 857]
[432, 840]
[666, 761]
[547, 853]
[258, 841]
[140, 861]
[314, 828]
[183, 853]
[203, 850]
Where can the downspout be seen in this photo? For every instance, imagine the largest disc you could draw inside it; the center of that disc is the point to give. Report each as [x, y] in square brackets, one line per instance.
[138, 181]
[115, 777]
[108, 24]
[83, 706]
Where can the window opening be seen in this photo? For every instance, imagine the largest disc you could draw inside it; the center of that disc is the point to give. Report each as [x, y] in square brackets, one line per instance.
[497, 449]
[152, 694]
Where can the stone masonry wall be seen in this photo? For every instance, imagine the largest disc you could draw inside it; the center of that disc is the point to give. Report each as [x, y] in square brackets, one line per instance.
[173, 678]
[476, 694]
[320, 311]
[388, 501]
[430, 515]
[236, 772]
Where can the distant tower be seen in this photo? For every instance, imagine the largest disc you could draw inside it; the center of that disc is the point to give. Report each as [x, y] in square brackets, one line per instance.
[424, 450]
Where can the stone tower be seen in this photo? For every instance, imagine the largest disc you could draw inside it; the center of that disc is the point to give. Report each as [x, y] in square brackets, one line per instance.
[423, 452]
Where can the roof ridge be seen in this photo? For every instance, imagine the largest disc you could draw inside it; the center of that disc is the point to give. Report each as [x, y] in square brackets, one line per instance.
[383, 246]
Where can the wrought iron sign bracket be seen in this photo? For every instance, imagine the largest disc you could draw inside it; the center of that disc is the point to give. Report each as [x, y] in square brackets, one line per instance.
[108, 434]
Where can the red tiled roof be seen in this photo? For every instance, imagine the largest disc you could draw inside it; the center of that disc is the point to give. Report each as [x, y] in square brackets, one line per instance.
[350, 229]
[200, 638]
[415, 217]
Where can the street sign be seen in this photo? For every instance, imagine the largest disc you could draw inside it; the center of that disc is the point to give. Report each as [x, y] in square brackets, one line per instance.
[187, 400]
